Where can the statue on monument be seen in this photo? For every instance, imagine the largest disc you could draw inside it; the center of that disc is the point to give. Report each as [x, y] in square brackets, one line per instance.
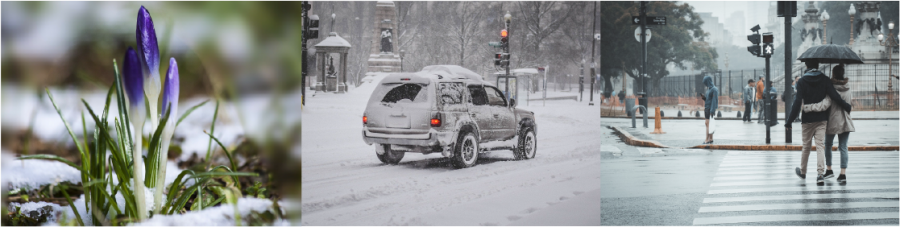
[386, 45]
[331, 71]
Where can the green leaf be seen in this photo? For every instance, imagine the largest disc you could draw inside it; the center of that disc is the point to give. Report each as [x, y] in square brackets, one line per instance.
[188, 112]
[228, 154]
[51, 157]
[212, 129]
[68, 128]
[152, 166]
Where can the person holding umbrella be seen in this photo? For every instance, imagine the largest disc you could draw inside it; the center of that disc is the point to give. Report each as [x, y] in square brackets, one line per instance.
[816, 94]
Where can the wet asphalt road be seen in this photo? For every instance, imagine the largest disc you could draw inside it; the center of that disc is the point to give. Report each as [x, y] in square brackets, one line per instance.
[648, 186]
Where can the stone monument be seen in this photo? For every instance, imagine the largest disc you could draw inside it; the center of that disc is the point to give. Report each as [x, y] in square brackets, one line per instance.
[384, 56]
[866, 27]
[332, 78]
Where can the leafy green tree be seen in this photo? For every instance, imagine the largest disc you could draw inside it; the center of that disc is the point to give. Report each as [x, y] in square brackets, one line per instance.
[680, 42]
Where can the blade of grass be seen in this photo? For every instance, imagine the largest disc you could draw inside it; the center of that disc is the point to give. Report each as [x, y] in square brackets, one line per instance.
[71, 204]
[212, 130]
[51, 157]
[188, 112]
[228, 154]
[153, 163]
[68, 128]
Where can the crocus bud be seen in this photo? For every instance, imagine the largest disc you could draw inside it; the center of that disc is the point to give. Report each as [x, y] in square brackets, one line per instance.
[133, 79]
[147, 45]
[170, 92]
[149, 53]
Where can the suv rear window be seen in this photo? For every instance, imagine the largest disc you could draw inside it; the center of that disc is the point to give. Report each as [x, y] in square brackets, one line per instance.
[405, 92]
[451, 93]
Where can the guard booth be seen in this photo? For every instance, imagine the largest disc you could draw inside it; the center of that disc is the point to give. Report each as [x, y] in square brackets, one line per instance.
[510, 92]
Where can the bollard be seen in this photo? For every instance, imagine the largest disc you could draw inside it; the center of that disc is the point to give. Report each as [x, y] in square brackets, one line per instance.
[696, 113]
[679, 113]
[719, 114]
[658, 128]
[633, 122]
[739, 114]
[661, 113]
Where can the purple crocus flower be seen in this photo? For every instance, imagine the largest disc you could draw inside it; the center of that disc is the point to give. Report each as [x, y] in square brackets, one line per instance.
[133, 78]
[147, 45]
[170, 92]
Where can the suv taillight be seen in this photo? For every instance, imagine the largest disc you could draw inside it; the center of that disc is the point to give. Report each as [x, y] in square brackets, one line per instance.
[436, 120]
[365, 120]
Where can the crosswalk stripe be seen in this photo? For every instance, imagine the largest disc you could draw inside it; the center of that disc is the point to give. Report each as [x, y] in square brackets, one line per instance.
[796, 206]
[791, 167]
[791, 175]
[811, 172]
[753, 177]
[813, 187]
[834, 160]
[880, 195]
[794, 217]
[793, 180]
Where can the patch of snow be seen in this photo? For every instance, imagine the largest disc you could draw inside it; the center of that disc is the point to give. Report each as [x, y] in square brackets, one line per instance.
[219, 215]
[34, 209]
[33, 173]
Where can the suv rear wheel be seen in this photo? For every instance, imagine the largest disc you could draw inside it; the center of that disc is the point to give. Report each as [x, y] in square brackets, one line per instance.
[466, 150]
[527, 145]
[390, 156]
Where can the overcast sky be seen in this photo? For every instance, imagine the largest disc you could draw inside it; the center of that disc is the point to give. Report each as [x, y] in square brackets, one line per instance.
[755, 12]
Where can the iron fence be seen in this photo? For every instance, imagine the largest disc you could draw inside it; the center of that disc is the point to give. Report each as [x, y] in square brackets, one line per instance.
[869, 84]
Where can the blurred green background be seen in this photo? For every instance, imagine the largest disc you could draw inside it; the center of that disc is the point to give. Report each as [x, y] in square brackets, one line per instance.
[245, 46]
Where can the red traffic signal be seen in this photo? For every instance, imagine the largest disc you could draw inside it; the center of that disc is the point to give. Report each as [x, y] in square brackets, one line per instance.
[504, 33]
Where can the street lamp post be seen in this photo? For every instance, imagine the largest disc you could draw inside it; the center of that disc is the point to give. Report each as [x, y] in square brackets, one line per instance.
[890, 43]
[825, 18]
[593, 63]
[852, 13]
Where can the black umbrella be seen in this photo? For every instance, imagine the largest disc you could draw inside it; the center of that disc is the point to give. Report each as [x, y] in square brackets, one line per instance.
[830, 53]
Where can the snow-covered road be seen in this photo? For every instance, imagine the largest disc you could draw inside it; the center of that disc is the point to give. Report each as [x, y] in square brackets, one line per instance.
[345, 184]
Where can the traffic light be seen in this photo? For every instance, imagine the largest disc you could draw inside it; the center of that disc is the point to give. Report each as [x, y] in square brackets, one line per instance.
[502, 59]
[504, 38]
[755, 49]
[768, 48]
[313, 30]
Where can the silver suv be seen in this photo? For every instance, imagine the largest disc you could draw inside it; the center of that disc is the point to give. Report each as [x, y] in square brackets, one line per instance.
[447, 109]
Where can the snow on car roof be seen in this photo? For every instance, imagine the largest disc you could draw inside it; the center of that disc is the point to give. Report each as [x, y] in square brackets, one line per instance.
[436, 73]
[454, 71]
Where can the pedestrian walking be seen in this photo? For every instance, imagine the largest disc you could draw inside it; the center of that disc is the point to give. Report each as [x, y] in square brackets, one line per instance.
[816, 94]
[709, 107]
[748, 96]
[759, 100]
[839, 123]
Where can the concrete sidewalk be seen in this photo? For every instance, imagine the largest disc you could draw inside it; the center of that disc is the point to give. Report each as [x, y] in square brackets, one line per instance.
[672, 113]
[737, 135]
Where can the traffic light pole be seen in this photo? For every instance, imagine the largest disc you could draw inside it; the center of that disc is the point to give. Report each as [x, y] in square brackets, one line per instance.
[788, 90]
[303, 66]
[643, 93]
[593, 41]
[506, 50]
[768, 101]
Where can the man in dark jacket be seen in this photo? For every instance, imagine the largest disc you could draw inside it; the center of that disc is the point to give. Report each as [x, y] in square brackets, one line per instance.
[812, 88]
[748, 97]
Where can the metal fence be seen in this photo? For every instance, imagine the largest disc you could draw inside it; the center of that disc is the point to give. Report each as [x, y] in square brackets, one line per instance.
[868, 84]
[730, 83]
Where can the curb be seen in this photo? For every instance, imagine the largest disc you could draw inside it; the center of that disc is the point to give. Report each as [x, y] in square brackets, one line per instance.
[788, 147]
[733, 118]
[631, 140]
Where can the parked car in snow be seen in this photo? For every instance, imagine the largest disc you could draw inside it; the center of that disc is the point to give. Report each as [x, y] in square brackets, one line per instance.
[447, 109]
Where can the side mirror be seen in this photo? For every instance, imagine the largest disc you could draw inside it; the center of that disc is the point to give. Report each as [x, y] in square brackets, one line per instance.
[512, 103]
